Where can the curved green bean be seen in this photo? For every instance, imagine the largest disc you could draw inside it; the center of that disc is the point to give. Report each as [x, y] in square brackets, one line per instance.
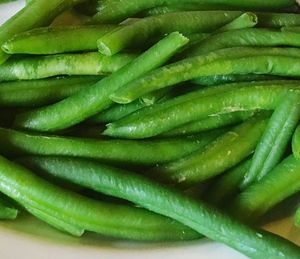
[147, 124]
[271, 61]
[84, 104]
[211, 122]
[91, 63]
[145, 29]
[141, 152]
[116, 11]
[54, 40]
[74, 213]
[35, 14]
[36, 93]
[197, 215]
[275, 139]
[296, 143]
[257, 199]
[223, 153]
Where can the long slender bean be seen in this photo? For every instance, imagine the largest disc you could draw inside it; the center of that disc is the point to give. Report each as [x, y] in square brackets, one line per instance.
[259, 62]
[275, 139]
[197, 215]
[212, 122]
[141, 152]
[296, 143]
[75, 213]
[91, 63]
[116, 11]
[295, 29]
[223, 153]
[42, 92]
[147, 28]
[257, 199]
[147, 124]
[54, 40]
[84, 104]
[35, 14]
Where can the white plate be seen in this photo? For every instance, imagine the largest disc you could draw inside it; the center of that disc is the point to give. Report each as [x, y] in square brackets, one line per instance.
[28, 238]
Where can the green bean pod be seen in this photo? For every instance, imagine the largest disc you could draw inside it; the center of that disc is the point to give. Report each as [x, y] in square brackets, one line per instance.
[295, 29]
[147, 123]
[145, 29]
[275, 139]
[197, 215]
[257, 199]
[95, 99]
[74, 213]
[116, 11]
[35, 14]
[270, 61]
[91, 63]
[141, 152]
[211, 122]
[55, 40]
[6, 210]
[296, 143]
[223, 153]
[36, 93]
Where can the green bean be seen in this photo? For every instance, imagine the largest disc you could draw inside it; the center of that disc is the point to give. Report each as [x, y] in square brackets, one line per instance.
[86, 103]
[91, 63]
[35, 14]
[147, 124]
[271, 61]
[75, 213]
[116, 11]
[6, 210]
[278, 20]
[295, 29]
[224, 79]
[141, 152]
[211, 122]
[246, 37]
[223, 153]
[257, 199]
[228, 185]
[145, 29]
[54, 40]
[41, 92]
[296, 143]
[275, 139]
[156, 96]
[197, 215]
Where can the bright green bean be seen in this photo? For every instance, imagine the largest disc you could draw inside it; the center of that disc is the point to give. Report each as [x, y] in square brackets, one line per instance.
[275, 139]
[35, 14]
[91, 63]
[296, 143]
[86, 103]
[147, 124]
[271, 61]
[145, 29]
[197, 215]
[211, 122]
[75, 213]
[141, 152]
[36, 93]
[54, 40]
[257, 199]
[116, 11]
[223, 153]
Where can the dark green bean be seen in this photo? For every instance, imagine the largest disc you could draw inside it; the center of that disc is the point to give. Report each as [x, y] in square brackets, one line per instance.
[116, 11]
[223, 153]
[74, 213]
[197, 215]
[36, 93]
[212, 122]
[6, 210]
[145, 29]
[141, 152]
[278, 20]
[35, 14]
[91, 63]
[95, 99]
[147, 123]
[257, 199]
[275, 139]
[295, 29]
[54, 40]
[296, 143]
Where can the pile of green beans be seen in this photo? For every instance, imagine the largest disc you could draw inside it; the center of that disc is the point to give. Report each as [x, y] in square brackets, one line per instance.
[182, 115]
